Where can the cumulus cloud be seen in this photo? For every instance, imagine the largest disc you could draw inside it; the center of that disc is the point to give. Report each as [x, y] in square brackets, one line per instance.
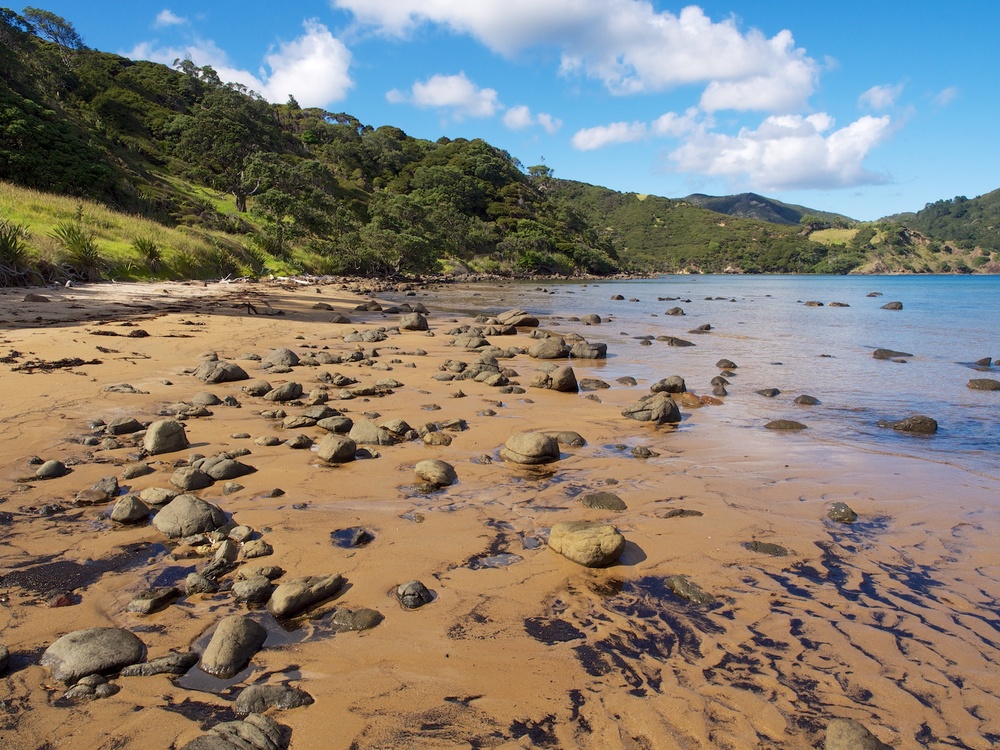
[167, 17]
[455, 93]
[589, 139]
[880, 98]
[520, 117]
[626, 44]
[789, 152]
[314, 67]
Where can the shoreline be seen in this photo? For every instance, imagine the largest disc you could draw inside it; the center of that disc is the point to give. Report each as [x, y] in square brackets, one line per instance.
[881, 621]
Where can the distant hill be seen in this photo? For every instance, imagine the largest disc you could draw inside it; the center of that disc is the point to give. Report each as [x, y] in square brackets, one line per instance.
[655, 233]
[753, 206]
[965, 223]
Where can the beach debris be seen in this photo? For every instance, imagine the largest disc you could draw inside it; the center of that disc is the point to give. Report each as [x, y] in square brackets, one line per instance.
[560, 379]
[841, 512]
[58, 364]
[593, 545]
[603, 501]
[165, 436]
[848, 734]
[658, 408]
[92, 651]
[892, 306]
[256, 699]
[785, 424]
[685, 588]
[984, 384]
[234, 643]
[435, 472]
[918, 424]
[299, 594]
[530, 448]
[172, 663]
[186, 515]
[413, 594]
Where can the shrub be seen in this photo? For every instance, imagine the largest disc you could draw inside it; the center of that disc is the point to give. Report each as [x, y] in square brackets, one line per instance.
[83, 256]
[149, 250]
[15, 258]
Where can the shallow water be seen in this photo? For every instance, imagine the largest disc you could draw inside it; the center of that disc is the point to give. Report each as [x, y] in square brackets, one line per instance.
[761, 323]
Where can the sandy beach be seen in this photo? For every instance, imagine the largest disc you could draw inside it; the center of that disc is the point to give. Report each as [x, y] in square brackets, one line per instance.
[891, 621]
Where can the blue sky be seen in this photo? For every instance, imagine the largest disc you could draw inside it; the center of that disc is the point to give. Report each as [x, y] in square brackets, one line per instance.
[864, 108]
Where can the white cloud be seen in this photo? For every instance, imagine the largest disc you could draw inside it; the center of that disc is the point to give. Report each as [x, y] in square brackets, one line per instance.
[456, 93]
[675, 125]
[626, 44]
[167, 17]
[520, 117]
[789, 152]
[946, 96]
[314, 67]
[589, 139]
[880, 98]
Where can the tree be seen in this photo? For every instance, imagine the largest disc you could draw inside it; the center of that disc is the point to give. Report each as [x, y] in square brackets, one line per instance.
[54, 28]
[223, 137]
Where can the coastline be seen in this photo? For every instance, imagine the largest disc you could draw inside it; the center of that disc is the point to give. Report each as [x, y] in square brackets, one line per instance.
[882, 621]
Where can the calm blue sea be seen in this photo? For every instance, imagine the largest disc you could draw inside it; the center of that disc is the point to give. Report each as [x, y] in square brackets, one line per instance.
[761, 322]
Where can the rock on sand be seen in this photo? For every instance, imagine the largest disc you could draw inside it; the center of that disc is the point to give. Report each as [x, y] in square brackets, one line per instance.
[593, 545]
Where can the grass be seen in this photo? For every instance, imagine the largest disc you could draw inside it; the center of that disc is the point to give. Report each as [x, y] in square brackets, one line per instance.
[71, 238]
[831, 237]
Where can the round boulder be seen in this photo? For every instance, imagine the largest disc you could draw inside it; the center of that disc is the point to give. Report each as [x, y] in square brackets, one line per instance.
[336, 449]
[92, 651]
[165, 436]
[658, 408]
[413, 321]
[186, 515]
[436, 472]
[530, 448]
[984, 384]
[233, 645]
[593, 545]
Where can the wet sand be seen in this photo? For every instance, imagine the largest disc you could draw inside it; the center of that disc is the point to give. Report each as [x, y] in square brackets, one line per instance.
[892, 621]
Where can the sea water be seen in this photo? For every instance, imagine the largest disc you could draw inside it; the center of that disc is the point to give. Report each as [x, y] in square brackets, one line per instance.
[763, 324]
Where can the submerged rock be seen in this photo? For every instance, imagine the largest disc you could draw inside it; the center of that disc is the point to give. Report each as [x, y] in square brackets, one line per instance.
[785, 424]
[413, 594]
[890, 354]
[685, 588]
[298, 594]
[984, 384]
[918, 424]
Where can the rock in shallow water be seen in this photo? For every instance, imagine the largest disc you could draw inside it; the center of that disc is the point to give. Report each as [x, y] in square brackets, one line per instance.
[413, 594]
[657, 408]
[233, 645]
[298, 594]
[918, 424]
[436, 472]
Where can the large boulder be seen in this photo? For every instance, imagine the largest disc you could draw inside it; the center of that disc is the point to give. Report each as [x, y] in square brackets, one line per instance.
[517, 318]
[586, 350]
[256, 699]
[336, 449]
[593, 545]
[220, 372]
[561, 379]
[165, 436]
[284, 392]
[366, 432]
[186, 515]
[298, 594]
[255, 732]
[233, 645]
[657, 408]
[92, 651]
[413, 321]
[551, 347]
[279, 358]
[436, 472]
[530, 448]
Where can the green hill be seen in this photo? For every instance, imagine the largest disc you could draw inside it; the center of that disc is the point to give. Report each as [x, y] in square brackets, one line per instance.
[753, 206]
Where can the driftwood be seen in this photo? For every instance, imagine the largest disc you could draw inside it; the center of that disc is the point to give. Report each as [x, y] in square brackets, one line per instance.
[269, 311]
